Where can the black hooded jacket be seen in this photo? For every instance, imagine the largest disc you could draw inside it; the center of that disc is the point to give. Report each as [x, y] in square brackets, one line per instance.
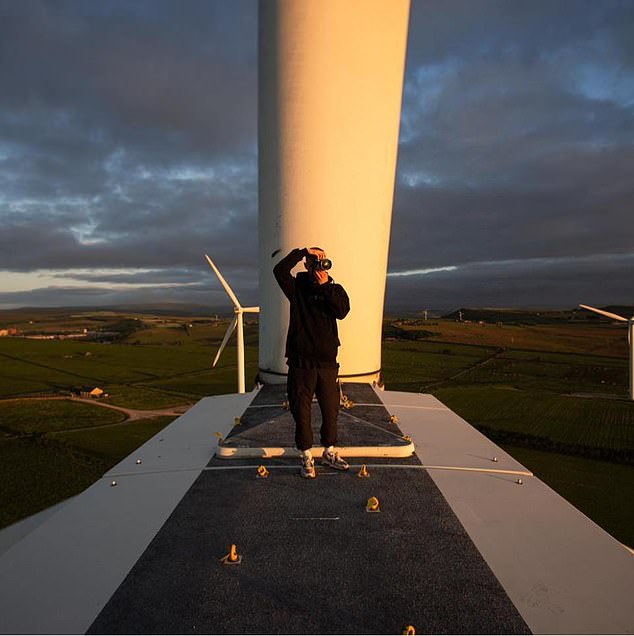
[312, 339]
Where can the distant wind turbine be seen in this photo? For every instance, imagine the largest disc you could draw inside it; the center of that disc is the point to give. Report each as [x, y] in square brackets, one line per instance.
[630, 339]
[237, 321]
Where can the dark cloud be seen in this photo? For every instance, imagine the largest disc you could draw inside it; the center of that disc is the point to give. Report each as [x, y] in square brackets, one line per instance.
[128, 149]
[137, 69]
[539, 283]
[517, 144]
[205, 294]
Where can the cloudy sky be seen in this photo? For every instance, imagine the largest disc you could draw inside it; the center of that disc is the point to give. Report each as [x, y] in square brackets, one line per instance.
[128, 147]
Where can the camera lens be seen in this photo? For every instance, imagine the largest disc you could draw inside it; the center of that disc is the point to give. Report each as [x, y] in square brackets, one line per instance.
[325, 263]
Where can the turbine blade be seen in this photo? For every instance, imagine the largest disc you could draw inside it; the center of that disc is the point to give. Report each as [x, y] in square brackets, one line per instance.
[604, 313]
[251, 310]
[224, 283]
[232, 326]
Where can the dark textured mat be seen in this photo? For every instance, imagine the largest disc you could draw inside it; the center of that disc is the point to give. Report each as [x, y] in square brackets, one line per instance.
[360, 392]
[270, 394]
[258, 429]
[266, 423]
[313, 561]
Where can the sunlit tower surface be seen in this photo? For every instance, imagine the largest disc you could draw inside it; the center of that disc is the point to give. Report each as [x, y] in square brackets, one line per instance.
[330, 89]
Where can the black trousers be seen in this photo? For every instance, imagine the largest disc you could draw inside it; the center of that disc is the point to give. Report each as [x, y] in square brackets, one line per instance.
[301, 385]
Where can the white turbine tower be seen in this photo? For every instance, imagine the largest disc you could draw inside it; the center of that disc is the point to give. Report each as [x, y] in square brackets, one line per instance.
[630, 340]
[237, 321]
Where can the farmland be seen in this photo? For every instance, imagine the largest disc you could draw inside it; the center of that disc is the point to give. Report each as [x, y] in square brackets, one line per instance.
[550, 392]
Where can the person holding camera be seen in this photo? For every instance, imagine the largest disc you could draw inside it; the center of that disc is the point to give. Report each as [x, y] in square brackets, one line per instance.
[317, 302]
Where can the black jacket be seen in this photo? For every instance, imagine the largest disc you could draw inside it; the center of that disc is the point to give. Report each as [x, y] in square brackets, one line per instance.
[312, 338]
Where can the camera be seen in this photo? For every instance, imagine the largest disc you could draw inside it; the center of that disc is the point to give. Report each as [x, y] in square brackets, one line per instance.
[319, 263]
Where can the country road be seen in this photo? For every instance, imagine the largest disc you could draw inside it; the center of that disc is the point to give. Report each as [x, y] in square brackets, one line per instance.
[137, 414]
[131, 414]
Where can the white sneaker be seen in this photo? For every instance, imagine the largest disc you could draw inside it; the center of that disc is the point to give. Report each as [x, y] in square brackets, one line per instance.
[331, 458]
[308, 467]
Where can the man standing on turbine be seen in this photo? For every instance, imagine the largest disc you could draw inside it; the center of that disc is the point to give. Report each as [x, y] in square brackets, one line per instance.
[317, 302]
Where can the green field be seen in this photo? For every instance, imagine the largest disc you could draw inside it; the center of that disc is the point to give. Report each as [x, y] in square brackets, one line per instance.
[138, 372]
[552, 394]
[586, 427]
[46, 416]
[37, 473]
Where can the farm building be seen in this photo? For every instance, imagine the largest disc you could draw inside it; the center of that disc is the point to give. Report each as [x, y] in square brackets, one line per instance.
[91, 392]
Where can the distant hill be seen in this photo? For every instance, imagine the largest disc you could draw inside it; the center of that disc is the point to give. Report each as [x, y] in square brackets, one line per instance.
[161, 309]
[504, 315]
[532, 317]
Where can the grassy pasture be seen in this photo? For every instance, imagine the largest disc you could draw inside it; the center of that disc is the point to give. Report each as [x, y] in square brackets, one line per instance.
[37, 473]
[596, 339]
[221, 379]
[44, 416]
[181, 367]
[412, 365]
[421, 365]
[564, 373]
[556, 421]
[141, 396]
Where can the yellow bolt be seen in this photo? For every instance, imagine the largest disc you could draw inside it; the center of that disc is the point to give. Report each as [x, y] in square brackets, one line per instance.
[236, 421]
[348, 404]
[285, 404]
[372, 505]
[409, 630]
[219, 436]
[262, 472]
[363, 472]
[393, 419]
[407, 438]
[233, 558]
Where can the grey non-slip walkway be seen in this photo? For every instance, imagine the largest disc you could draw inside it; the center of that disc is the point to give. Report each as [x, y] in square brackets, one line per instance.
[314, 561]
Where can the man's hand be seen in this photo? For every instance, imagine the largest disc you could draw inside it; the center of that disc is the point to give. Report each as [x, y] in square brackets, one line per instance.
[316, 252]
[319, 275]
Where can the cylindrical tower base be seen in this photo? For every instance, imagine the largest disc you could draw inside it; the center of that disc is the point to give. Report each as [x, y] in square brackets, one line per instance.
[330, 88]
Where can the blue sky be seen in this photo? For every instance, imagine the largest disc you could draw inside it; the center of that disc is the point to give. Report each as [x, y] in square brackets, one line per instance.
[128, 148]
